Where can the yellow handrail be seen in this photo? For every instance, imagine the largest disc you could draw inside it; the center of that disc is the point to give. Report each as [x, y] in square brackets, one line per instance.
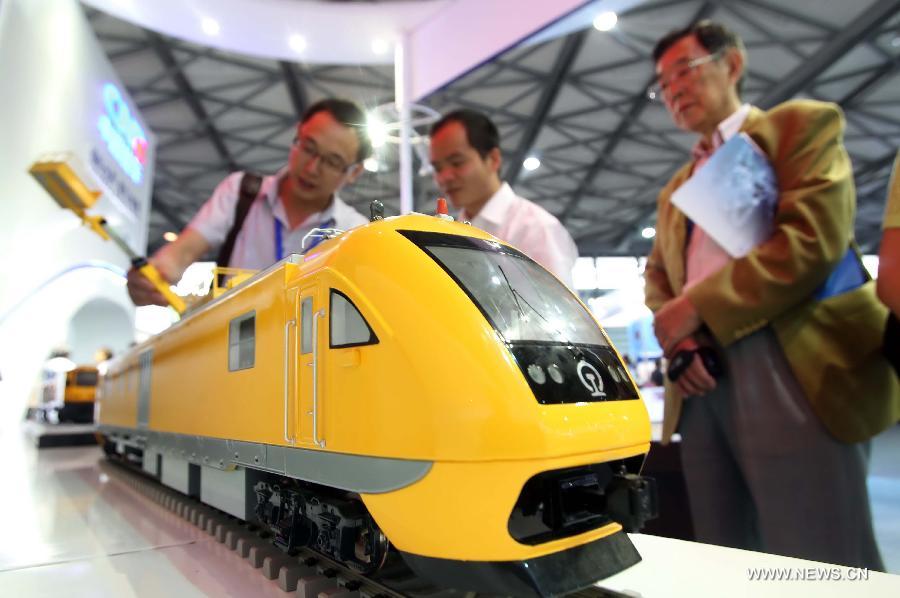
[231, 278]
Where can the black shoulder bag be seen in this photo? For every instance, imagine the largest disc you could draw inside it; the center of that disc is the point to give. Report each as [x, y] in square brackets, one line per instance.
[250, 184]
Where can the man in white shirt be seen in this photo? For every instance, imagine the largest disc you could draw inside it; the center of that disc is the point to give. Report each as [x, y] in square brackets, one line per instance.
[327, 153]
[465, 153]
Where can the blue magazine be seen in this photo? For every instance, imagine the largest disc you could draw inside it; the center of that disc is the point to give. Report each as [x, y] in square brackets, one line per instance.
[732, 196]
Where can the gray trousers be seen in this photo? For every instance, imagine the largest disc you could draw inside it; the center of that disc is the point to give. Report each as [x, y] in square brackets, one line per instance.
[762, 473]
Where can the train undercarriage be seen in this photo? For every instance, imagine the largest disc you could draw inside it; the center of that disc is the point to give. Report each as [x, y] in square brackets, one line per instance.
[332, 523]
[297, 515]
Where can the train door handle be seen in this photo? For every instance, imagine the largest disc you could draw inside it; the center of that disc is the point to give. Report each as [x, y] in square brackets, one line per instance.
[287, 382]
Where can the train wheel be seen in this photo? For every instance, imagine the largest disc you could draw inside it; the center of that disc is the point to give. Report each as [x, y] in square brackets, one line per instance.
[371, 549]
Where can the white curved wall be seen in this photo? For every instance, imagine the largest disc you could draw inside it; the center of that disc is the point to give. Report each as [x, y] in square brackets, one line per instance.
[99, 323]
[53, 72]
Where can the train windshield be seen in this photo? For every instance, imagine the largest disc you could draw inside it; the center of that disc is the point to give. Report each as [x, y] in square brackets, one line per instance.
[86, 378]
[521, 299]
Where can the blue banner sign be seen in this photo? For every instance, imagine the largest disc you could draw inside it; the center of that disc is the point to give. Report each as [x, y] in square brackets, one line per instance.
[123, 134]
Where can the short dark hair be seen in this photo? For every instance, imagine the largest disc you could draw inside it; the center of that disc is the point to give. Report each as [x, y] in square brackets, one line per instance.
[348, 113]
[480, 130]
[714, 37]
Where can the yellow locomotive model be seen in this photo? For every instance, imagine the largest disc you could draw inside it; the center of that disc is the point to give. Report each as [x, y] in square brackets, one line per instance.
[412, 382]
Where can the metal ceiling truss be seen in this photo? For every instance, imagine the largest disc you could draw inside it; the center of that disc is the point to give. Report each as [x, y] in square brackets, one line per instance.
[564, 60]
[638, 105]
[805, 77]
[605, 150]
[164, 52]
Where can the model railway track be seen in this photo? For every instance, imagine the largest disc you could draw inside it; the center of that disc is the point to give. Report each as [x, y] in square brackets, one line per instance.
[308, 574]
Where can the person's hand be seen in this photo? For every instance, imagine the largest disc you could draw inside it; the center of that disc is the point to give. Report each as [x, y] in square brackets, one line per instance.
[142, 291]
[673, 322]
[695, 380]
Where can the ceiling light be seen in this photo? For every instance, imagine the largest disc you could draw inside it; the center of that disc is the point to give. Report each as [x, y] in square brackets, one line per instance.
[896, 41]
[380, 46]
[170, 236]
[531, 163]
[377, 131]
[605, 21]
[297, 43]
[648, 233]
[370, 164]
[210, 26]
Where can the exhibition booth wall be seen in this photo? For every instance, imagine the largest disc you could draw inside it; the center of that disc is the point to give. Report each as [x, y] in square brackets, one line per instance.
[60, 283]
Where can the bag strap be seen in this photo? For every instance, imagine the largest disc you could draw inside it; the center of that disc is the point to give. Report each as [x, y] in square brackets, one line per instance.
[848, 274]
[250, 185]
[854, 247]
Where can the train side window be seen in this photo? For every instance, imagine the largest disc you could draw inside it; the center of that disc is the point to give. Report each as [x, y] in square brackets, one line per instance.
[306, 326]
[348, 327]
[242, 342]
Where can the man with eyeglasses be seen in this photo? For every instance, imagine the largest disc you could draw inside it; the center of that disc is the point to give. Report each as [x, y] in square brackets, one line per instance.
[327, 154]
[780, 385]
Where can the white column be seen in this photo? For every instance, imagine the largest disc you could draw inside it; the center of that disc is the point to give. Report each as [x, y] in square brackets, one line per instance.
[402, 93]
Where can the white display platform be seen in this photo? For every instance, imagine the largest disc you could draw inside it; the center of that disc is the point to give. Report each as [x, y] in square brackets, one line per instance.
[35, 428]
[72, 530]
[46, 435]
[676, 568]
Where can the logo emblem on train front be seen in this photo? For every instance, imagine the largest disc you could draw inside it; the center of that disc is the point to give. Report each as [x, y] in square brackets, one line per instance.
[591, 379]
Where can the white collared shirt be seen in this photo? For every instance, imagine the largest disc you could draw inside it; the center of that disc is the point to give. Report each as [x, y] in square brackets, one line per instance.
[529, 228]
[704, 256]
[256, 246]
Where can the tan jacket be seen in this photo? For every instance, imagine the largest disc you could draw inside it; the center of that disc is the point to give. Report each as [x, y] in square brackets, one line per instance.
[833, 346]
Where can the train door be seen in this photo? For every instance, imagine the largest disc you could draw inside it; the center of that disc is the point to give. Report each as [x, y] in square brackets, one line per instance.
[313, 350]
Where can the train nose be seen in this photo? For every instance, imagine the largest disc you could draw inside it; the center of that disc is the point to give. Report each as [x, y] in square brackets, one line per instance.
[562, 503]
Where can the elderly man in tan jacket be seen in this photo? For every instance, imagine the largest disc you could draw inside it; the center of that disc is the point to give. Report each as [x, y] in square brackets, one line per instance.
[774, 448]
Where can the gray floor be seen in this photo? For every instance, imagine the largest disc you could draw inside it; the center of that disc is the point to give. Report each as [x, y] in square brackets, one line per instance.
[79, 531]
[884, 493]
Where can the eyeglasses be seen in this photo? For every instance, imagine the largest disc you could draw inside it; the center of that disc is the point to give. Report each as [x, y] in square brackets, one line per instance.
[658, 90]
[331, 162]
